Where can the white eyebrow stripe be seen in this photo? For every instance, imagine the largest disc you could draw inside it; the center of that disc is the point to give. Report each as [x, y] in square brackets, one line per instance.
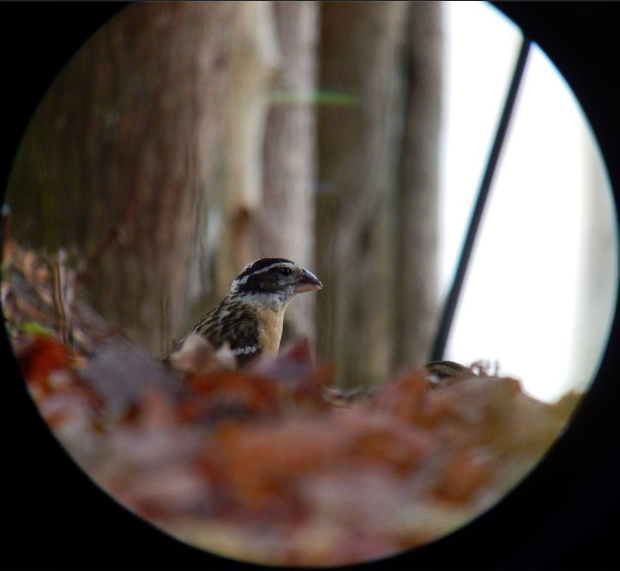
[274, 265]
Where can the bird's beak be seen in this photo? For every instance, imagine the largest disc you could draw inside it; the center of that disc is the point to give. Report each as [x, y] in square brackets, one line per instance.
[307, 281]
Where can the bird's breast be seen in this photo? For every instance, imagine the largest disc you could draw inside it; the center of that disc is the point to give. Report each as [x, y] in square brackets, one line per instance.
[270, 331]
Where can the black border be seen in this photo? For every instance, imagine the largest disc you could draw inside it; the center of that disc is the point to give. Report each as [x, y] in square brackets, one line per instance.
[563, 517]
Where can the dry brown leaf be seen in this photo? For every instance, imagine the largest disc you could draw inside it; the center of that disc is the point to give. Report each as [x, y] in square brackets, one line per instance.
[285, 477]
[197, 355]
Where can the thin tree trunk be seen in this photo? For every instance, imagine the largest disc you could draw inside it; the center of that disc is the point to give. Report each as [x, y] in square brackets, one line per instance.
[362, 52]
[288, 212]
[255, 59]
[416, 271]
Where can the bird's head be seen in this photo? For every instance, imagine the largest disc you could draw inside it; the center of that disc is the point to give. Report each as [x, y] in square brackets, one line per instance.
[273, 282]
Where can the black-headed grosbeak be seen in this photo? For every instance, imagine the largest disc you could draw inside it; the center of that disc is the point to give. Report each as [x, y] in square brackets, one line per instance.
[251, 316]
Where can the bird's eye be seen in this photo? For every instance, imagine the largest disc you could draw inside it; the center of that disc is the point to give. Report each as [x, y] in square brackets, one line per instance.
[284, 271]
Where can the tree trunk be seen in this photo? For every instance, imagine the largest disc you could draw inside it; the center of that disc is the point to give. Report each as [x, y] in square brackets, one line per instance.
[120, 153]
[255, 58]
[288, 212]
[417, 271]
[178, 145]
[361, 55]
[154, 165]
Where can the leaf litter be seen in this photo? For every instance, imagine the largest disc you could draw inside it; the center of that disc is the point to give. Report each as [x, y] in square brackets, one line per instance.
[272, 463]
[259, 464]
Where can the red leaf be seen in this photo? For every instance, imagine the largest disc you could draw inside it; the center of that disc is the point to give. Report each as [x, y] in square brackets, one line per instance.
[39, 358]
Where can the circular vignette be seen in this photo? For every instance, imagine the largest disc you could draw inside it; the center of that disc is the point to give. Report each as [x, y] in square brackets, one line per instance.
[55, 508]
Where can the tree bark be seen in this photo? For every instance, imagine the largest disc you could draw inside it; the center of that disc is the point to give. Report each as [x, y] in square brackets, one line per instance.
[254, 62]
[361, 55]
[418, 211]
[119, 154]
[146, 155]
[377, 214]
[288, 209]
[179, 144]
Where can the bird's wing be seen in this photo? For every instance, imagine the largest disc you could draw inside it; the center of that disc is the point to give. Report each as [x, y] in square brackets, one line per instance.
[235, 325]
[243, 338]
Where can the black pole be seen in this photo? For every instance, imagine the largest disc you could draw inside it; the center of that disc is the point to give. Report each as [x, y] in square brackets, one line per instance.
[452, 300]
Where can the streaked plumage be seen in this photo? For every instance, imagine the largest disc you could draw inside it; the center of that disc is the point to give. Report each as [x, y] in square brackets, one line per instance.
[251, 316]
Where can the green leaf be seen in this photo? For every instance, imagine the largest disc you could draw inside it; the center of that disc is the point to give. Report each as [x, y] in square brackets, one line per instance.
[33, 328]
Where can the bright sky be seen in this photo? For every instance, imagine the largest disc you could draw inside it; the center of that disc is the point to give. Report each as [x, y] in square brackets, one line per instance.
[520, 303]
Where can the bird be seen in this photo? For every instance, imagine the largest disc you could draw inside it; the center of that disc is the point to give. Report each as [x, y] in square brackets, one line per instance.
[444, 372]
[251, 316]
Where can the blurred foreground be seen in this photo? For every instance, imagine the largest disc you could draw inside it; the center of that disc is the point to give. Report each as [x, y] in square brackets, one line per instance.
[274, 463]
[260, 465]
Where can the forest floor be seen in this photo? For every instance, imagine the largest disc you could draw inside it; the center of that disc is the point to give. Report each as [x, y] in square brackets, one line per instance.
[272, 464]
